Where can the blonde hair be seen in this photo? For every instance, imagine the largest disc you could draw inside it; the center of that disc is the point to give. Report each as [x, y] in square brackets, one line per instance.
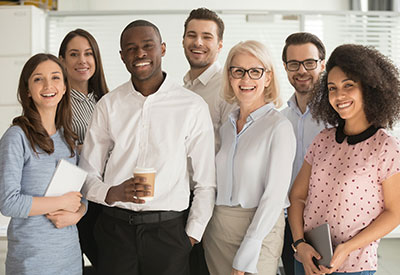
[259, 51]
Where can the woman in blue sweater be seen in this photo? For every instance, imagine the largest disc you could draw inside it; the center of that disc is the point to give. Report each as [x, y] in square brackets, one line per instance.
[42, 236]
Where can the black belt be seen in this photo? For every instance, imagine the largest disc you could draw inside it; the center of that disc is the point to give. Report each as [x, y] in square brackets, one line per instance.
[136, 218]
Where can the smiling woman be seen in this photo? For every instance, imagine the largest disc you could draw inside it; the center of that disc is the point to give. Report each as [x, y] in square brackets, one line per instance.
[80, 55]
[253, 169]
[42, 236]
[350, 175]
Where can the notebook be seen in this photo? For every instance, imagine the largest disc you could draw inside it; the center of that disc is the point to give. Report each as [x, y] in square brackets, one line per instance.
[320, 239]
[67, 177]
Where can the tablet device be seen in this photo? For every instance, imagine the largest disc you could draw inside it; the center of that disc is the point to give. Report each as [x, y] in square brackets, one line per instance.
[320, 239]
[67, 177]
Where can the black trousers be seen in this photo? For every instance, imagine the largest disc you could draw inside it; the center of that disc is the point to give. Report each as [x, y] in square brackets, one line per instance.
[86, 232]
[197, 261]
[287, 252]
[143, 249]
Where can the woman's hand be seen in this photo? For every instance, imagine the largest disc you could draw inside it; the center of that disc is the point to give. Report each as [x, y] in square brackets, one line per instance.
[71, 201]
[63, 218]
[237, 272]
[339, 256]
[305, 253]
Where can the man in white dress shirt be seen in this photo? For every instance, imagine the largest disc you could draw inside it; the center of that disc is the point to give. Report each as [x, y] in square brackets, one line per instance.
[202, 42]
[148, 122]
[304, 59]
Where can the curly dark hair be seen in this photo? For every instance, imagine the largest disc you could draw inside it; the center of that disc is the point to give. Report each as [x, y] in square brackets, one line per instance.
[380, 86]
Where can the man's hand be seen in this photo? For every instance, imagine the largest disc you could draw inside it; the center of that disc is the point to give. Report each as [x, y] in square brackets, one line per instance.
[193, 241]
[130, 190]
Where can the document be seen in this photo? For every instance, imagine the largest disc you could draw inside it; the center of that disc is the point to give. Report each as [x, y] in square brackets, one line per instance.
[67, 177]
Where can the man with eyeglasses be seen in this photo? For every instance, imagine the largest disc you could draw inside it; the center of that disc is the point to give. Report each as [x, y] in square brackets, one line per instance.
[304, 60]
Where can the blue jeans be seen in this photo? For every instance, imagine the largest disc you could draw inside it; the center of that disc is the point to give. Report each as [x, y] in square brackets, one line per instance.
[299, 270]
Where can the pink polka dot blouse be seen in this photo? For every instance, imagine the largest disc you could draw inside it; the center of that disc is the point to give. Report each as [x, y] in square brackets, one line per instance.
[345, 189]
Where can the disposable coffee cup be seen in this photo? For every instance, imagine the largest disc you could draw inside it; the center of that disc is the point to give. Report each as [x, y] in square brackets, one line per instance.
[149, 174]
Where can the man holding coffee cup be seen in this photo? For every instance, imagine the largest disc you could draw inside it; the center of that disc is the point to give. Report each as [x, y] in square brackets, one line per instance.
[145, 127]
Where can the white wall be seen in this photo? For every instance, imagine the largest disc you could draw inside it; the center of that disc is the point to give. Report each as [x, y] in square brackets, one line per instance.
[103, 5]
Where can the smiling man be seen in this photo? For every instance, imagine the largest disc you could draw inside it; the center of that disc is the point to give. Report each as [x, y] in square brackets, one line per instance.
[202, 43]
[304, 59]
[148, 122]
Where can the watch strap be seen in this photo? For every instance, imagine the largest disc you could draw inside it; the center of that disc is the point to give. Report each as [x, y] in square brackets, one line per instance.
[296, 243]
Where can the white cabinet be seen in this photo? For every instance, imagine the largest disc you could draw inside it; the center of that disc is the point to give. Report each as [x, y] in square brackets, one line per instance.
[23, 31]
[23, 34]
[10, 70]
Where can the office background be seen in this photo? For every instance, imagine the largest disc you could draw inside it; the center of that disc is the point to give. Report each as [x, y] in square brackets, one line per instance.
[26, 30]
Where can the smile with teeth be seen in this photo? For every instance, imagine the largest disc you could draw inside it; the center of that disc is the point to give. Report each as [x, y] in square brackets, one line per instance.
[198, 51]
[344, 105]
[247, 88]
[302, 79]
[48, 95]
[141, 64]
[82, 70]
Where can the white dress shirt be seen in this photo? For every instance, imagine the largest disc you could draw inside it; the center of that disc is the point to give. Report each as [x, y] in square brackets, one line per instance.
[253, 170]
[305, 128]
[159, 131]
[208, 85]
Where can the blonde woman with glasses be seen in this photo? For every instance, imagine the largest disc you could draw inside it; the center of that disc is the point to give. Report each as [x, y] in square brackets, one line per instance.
[254, 165]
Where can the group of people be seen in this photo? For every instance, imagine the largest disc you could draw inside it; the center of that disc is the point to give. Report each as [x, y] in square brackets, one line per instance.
[226, 159]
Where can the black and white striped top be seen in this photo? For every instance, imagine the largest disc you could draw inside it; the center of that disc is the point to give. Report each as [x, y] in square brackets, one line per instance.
[82, 110]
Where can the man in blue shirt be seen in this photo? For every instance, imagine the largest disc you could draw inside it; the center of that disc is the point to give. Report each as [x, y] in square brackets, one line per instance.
[304, 59]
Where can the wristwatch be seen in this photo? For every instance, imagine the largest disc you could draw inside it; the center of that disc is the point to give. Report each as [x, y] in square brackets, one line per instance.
[296, 243]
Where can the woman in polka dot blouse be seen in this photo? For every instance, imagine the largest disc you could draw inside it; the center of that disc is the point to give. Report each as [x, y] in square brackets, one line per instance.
[350, 177]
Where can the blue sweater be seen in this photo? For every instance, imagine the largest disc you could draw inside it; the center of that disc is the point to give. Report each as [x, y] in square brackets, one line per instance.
[35, 245]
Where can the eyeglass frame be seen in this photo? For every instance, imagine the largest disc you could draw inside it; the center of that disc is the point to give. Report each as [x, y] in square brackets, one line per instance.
[247, 71]
[302, 63]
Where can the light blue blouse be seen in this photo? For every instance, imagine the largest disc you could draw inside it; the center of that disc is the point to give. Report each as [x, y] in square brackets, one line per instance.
[35, 245]
[254, 169]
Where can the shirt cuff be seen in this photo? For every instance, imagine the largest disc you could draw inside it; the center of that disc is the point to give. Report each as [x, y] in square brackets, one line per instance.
[194, 230]
[246, 258]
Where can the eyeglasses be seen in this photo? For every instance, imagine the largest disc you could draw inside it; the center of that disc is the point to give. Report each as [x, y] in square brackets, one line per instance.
[308, 64]
[253, 73]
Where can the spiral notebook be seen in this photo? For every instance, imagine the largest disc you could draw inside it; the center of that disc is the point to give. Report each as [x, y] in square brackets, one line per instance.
[67, 177]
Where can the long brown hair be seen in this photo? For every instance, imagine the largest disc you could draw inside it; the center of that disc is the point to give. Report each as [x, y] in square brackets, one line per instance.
[97, 83]
[30, 120]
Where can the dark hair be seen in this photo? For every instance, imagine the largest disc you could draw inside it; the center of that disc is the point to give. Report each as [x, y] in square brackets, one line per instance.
[206, 14]
[30, 120]
[140, 23]
[300, 38]
[379, 82]
[97, 83]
